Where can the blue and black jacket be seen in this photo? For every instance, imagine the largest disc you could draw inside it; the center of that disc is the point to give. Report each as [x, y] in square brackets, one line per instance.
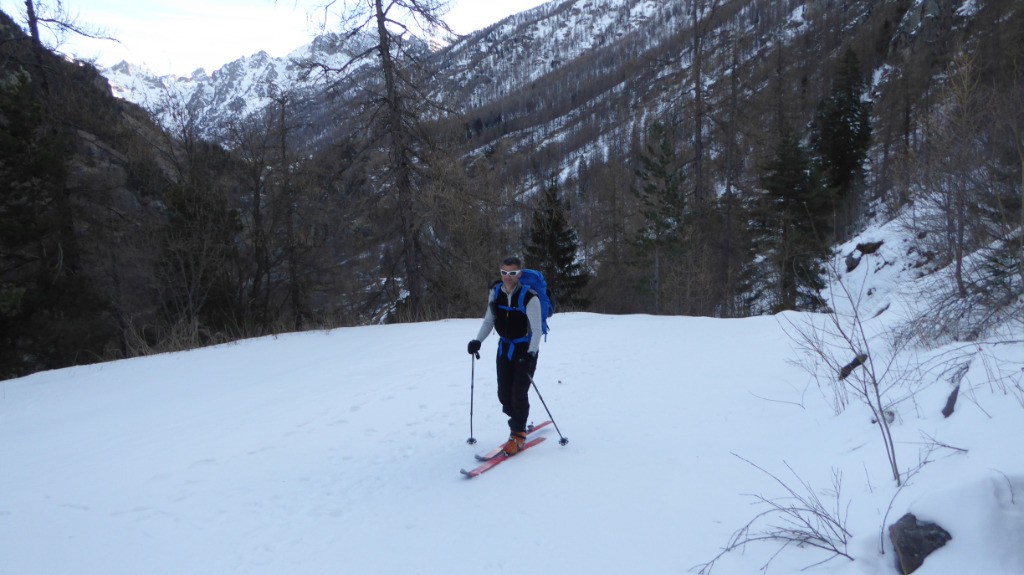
[515, 325]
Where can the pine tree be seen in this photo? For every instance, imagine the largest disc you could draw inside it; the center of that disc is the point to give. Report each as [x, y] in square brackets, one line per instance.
[31, 168]
[662, 204]
[842, 134]
[797, 219]
[660, 191]
[553, 250]
[50, 315]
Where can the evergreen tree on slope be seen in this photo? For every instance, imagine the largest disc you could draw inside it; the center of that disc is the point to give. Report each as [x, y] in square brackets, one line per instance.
[841, 136]
[552, 250]
[797, 221]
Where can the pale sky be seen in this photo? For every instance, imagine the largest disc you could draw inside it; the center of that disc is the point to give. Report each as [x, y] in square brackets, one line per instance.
[179, 36]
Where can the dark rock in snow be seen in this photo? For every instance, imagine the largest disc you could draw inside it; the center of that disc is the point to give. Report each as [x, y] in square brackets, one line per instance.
[951, 402]
[914, 541]
[852, 262]
[869, 247]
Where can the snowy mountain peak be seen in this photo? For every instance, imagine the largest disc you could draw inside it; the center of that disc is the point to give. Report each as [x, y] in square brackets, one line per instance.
[516, 50]
[230, 93]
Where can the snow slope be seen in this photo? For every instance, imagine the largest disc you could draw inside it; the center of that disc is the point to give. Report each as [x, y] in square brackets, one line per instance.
[339, 453]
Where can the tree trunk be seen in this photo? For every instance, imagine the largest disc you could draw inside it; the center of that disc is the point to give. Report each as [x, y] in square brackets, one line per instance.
[699, 193]
[411, 248]
[68, 253]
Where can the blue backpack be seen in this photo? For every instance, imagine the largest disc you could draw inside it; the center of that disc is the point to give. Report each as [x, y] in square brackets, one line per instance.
[533, 280]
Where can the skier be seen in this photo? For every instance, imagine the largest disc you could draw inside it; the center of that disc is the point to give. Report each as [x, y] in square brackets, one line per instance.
[517, 348]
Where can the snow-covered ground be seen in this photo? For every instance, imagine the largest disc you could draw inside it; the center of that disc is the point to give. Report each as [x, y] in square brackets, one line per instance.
[340, 452]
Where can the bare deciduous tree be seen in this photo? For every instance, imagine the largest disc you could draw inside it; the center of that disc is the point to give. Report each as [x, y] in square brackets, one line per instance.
[397, 108]
[845, 354]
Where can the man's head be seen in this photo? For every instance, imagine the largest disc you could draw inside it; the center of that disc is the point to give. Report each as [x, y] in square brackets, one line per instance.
[510, 269]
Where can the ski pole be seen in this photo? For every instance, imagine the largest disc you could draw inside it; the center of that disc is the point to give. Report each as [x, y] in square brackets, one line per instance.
[562, 439]
[472, 384]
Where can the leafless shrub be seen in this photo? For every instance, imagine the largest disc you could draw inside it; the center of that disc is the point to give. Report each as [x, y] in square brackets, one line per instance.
[990, 298]
[1001, 375]
[842, 359]
[965, 183]
[798, 518]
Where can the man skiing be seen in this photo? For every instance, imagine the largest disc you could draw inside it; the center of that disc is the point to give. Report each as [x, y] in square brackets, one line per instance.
[517, 348]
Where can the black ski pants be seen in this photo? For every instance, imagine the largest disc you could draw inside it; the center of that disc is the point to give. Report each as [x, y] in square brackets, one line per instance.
[514, 387]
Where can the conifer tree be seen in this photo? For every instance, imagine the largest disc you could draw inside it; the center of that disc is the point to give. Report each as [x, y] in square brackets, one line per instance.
[47, 309]
[553, 249]
[796, 225]
[842, 134]
[662, 204]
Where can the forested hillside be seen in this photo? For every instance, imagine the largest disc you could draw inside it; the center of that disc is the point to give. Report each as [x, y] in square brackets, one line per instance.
[695, 157]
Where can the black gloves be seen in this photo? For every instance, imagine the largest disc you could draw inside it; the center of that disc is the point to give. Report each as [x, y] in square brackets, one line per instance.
[529, 361]
[473, 347]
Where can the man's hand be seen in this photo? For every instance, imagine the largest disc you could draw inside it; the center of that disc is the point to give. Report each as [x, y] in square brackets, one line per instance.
[529, 361]
[473, 347]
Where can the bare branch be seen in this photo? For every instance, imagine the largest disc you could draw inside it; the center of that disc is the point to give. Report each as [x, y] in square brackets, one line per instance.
[804, 519]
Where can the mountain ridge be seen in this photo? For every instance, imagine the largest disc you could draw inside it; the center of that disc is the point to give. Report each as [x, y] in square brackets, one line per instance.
[301, 201]
[579, 76]
[520, 48]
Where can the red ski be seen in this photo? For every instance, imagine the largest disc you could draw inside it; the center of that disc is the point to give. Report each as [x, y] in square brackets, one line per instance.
[498, 459]
[497, 450]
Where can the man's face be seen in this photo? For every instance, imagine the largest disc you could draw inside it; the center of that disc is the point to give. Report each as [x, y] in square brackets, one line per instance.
[509, 277]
